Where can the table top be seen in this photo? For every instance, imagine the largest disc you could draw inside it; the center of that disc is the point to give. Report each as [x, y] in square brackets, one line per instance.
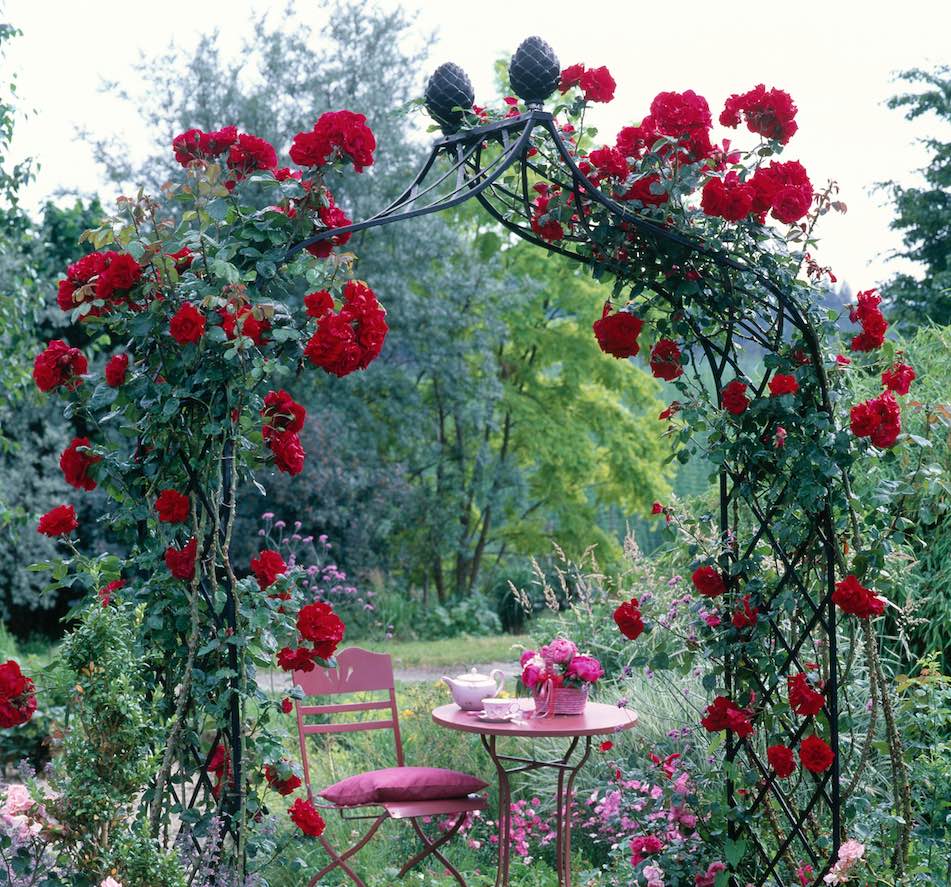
[598, 718]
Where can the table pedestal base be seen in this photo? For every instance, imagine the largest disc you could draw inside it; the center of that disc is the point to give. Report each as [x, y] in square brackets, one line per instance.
[567, 771]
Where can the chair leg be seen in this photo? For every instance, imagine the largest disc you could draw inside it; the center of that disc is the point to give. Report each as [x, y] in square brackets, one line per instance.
[340, 859]
[431, 848]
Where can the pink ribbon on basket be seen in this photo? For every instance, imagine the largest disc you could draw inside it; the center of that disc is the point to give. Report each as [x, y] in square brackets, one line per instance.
[545, 696]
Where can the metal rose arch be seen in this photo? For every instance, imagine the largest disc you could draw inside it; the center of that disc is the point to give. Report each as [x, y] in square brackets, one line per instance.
[734, 306]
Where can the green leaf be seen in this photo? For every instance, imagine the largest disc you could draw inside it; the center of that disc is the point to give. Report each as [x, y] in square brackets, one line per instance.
[734, 850]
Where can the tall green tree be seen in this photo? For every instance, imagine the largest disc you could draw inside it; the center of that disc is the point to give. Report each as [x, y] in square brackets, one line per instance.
[923, 214]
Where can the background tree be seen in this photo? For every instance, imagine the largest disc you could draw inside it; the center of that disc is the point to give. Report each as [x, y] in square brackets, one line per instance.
[486, 428]
[923, 214]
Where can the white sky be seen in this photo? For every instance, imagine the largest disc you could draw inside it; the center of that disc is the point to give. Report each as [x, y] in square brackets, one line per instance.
[835, 57]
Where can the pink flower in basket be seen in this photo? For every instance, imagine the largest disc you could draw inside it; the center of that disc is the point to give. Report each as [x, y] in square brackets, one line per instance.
[583, 668]
[533, 668]
[560, 651]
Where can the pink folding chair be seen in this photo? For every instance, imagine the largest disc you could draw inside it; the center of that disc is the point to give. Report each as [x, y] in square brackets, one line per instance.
[360, 671]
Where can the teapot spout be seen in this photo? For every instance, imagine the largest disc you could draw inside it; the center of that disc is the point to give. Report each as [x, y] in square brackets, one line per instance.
[449, 682]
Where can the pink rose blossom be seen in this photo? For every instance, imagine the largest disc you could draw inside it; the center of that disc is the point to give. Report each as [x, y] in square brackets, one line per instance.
[584, 668]
[559, 651]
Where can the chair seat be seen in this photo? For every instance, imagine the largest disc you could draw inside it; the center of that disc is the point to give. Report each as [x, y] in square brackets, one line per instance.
[412, 809]
[403, 785]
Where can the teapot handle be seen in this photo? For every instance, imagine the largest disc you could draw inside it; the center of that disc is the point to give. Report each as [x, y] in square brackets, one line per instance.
[499, 681]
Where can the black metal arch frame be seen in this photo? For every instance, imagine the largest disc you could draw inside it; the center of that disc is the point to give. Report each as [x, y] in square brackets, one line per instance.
[497, 163]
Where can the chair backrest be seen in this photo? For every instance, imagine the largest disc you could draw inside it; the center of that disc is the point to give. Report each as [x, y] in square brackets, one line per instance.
[357, 671]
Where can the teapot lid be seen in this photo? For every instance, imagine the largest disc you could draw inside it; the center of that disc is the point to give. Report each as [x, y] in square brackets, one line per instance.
[473, 677]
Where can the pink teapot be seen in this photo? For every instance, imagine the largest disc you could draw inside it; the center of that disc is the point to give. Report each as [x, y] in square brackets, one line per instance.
[468, 690]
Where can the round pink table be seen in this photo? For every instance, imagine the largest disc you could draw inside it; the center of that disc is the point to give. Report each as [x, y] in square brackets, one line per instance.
[598, 719]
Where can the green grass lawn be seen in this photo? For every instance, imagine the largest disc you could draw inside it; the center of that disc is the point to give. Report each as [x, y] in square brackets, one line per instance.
[451, 651]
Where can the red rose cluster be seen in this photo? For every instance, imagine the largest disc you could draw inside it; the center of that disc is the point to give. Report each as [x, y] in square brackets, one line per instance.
[318, 624]
[878, 419]
[869, 316]
[331, 216]
[853, 597]
[544, 225]
[197, 145]
[247, 321]
[282, 421]
[59, 521]
[59, 364]
[617, 333]
[17, 696]
[245, 153]
[104, 276]
[724, 714]
[352, 338]
[782, 384]
[596, 84]
[782, 189]
[746, 616]
[629, 620]
[181, 562]
[116, 369]
[768, 112]
[172, 507]
[899, 377]
[337, 135]
[734, 397]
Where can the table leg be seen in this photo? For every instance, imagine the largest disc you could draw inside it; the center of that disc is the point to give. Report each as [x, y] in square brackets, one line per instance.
[505, 813]
[563, 818]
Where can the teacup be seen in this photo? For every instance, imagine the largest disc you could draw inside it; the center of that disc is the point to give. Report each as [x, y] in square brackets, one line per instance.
[494, 707]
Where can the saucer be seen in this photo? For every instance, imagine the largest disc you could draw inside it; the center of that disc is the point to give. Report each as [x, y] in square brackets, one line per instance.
[482, 716]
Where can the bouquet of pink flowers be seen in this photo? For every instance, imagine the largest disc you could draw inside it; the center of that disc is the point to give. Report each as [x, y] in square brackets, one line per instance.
[559, 664]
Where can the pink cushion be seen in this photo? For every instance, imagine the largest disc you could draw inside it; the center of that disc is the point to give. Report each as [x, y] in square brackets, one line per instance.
[401, 784]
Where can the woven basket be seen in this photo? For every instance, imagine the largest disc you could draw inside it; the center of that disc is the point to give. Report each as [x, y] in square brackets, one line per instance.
[561, 701]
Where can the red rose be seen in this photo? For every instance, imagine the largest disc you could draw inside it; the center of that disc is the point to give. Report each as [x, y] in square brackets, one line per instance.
[734, 398]
[267, 566]
[606, 746]
[708, 581]
[899, 378]
[283, 786]
[106, 593]
[76, 465]
[633, 141]
[853, 597]
[17, 695]
[318, 303]
[319, 624]
[768, 112]
[803, 700]
[172, 507]
[728, 198]
[60, 521]
[570, 76]
[296, 659]
[306, 818]
[548, 229]
[197, 145]
[680, 113]
[287, 706]
[781, 760]
[242, 321]
[781, 384]
[745, 617]
[288, 452]
[597, 85]
[116, 370]
[867, 313]
[181, 563]
[815, 754]
[250, 153]
[281, 414]
[665, 360]
[642, 189]
[188, 324]
[617, 333]
[724, 714]
[628, 619]
[657, 508]
[59, 364]
[341, 135]
[331, 216]
[74, 290]
[183, 259]
[352, 338]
